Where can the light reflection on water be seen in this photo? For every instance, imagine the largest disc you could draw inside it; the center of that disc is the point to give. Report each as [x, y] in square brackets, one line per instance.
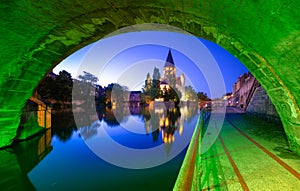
[71, 165]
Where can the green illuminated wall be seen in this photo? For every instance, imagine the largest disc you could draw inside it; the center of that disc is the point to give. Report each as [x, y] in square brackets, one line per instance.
[264, 35]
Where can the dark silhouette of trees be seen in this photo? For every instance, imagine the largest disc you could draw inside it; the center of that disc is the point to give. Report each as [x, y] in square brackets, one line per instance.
[46, 88]
[63, 86]
[59, 88]
[148, 83]
[155, 91]
[63, 125]
[88, 77]
[155, 86]
[100, 96]
[151, 89]
[85, 88]
[156, 74]
[202, 96]
[115, 93]
[172, 94]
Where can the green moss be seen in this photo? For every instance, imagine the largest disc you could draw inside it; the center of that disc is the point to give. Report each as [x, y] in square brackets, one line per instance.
[29, 128]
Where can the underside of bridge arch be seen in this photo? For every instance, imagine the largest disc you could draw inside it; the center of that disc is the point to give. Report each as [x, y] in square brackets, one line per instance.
[36, 36]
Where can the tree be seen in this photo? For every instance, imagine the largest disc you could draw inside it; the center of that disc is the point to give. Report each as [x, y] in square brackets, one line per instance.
[116, 93]
[145, 95]
[148, 83]
[151, 89]
[155, 90]
[190, 93]
[172, 94]
[155, 86]
[100, 95]
[88, 77]
[85, 87]
[156, 74]
[63, 86]
[46, 88]
[59, 88]
[64, 76]
[175, 95]
[203, 96]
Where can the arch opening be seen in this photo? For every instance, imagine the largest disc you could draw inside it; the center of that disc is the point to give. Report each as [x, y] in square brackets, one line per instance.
[47, 47]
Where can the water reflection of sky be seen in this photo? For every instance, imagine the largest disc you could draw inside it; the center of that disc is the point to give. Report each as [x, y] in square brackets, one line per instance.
[126, 137]
[71, 165]
[130, 139]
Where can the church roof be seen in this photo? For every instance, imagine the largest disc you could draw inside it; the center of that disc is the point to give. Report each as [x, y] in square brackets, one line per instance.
[164, 81]
[169, 61]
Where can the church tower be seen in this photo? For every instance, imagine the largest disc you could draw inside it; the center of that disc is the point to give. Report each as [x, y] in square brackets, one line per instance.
[169, 68]
[169, 78]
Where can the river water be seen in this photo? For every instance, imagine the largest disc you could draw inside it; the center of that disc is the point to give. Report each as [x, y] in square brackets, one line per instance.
[64, 157]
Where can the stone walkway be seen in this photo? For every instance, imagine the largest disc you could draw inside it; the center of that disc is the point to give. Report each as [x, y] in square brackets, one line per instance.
[250, 154]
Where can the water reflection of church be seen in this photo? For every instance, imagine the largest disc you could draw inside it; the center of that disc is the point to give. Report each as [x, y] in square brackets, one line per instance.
[170, 124]
[165, 121]
[162, 122]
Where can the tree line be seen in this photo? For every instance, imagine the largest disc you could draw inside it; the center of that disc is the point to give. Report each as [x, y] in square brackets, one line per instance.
[59, 88]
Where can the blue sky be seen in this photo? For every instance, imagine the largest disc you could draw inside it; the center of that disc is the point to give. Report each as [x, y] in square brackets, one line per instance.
[127, 58]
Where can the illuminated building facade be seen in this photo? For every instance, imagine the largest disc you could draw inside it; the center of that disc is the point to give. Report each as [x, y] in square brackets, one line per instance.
[169, 78]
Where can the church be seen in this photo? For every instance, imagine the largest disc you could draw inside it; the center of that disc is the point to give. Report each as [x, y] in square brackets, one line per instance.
[169, 78]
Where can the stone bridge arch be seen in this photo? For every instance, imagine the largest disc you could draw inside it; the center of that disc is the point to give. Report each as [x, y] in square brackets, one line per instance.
[36, 36]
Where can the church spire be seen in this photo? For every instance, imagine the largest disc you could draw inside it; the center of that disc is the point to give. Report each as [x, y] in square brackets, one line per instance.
[170, 70]
[169, 61]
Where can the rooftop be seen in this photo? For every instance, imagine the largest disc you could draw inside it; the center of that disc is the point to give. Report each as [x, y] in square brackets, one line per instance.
[169, 61]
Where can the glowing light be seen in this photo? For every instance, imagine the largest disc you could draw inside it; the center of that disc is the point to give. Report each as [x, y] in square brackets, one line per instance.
[167, 122]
